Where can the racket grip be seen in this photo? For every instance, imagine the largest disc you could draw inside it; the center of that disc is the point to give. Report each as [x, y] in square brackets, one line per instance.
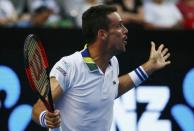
[55, 129]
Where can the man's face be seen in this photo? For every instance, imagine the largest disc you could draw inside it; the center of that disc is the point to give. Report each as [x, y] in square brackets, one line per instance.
[117, 34]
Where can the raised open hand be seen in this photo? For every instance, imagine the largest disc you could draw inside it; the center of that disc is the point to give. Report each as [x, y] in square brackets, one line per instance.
[159, 57]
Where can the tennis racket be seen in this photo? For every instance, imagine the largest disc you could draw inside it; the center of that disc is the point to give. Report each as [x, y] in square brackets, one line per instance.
[36, 68]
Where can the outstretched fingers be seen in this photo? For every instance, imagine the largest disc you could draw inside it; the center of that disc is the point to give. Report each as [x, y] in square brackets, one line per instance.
[159, 56]
[166, 56]
[160, 48]
[164, 52]
[153, 47]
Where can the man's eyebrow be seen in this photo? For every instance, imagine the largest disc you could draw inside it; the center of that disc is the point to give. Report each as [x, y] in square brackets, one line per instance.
[121, 22]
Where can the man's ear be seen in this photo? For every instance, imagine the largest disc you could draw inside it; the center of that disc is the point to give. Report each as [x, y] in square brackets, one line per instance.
[102, 34]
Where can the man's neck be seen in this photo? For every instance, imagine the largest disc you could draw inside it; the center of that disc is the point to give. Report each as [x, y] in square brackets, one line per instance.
[100, 55]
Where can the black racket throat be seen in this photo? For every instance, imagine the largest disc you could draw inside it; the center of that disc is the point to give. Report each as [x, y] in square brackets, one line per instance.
[48, 106]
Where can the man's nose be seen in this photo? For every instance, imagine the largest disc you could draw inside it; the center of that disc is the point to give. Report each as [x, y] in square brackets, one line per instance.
[125, 30]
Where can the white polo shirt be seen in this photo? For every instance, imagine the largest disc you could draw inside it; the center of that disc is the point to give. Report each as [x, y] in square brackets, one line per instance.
[87, 100]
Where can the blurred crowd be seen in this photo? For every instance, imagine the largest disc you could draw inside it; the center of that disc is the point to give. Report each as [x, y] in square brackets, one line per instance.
[148, 14]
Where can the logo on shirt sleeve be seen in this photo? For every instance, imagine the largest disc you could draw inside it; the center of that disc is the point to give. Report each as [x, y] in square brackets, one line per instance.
[67, 65]
[61, 70]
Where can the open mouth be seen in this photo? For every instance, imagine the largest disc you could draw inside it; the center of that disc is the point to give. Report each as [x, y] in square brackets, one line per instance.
[125, 40]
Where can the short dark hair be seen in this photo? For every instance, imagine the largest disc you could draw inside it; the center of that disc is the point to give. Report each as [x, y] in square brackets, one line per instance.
[41, 9]
[95, 18]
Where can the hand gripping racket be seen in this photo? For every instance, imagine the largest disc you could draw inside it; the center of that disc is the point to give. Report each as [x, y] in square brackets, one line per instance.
[36, 68]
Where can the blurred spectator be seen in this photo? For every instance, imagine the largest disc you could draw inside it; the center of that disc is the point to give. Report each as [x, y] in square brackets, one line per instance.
[33, 4]
[19, 5]
[86, 4]
[131, 11]
[160, 14]
[187, 9]
[8, 15]
[75, 8]
[54, 20]
[37, 18]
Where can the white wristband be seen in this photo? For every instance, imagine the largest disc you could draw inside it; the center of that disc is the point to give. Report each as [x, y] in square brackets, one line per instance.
[42, 119]
[138, 76]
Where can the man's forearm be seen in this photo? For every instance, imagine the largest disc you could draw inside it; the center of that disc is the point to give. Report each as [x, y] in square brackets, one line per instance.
[148, 68]
[134, 78]
[37, 109]
[125, 84]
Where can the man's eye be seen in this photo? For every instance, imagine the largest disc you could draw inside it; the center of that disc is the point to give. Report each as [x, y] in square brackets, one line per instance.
[120, 25]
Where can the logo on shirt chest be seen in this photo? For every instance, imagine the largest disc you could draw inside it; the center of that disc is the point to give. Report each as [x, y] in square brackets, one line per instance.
[114, 82]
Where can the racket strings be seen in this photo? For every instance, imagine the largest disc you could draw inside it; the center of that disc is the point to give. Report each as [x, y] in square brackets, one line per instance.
[41, 84]
[37, 68]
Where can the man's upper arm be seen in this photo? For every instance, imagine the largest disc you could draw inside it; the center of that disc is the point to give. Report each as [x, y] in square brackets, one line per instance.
[61, 74]
[56, 89]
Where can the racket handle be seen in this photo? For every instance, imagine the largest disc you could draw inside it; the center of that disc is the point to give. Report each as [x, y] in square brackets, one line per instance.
[56, 129]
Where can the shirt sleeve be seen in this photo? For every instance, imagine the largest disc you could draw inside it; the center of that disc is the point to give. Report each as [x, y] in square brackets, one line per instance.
[61, 71]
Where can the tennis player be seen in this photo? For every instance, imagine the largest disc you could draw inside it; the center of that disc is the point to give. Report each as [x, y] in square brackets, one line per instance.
[85, 84]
